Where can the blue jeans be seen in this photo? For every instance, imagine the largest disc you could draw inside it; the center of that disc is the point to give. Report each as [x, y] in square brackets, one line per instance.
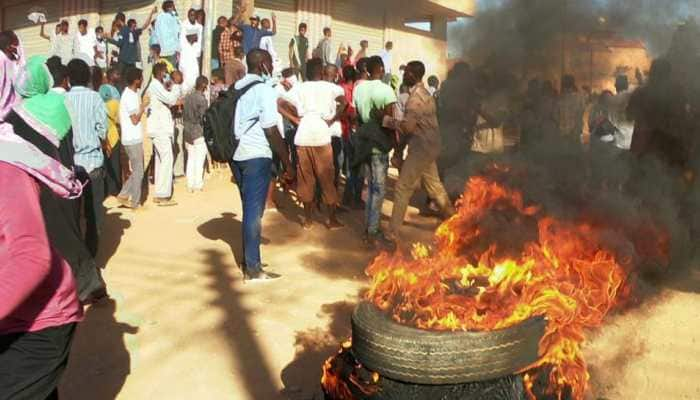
[378, 170]
[253, 178]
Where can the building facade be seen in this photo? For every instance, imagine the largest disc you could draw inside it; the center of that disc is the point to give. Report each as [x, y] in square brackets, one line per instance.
[418, 28]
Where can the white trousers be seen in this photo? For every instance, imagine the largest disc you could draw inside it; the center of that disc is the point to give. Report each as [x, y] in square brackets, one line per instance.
[164, 166]
[196, 156]
[190, 71]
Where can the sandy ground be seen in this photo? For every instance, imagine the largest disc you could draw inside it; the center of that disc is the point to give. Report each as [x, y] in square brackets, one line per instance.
[183, 325]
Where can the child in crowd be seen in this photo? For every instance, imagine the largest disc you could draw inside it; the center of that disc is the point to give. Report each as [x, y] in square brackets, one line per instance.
[195, 106]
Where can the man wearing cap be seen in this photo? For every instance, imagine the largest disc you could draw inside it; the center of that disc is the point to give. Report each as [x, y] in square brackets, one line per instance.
[252, 32]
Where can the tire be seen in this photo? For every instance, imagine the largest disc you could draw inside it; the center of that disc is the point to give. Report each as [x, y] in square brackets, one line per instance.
[412, 355]
[505, 388]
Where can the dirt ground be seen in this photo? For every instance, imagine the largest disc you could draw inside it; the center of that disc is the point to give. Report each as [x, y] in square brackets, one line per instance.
[182, 325]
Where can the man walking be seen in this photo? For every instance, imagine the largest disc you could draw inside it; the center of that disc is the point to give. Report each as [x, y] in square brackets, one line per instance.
[89, 120]
[161, 129]
[299, 51]
[130, 112]
[314, 106]
[420, 125]
[255, 127]
[373, 100]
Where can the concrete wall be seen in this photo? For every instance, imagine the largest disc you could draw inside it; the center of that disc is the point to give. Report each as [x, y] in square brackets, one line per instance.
[409, 44]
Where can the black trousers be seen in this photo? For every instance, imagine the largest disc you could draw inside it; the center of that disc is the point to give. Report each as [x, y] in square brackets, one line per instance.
[113, 171]
[93, 209]
[32, 363]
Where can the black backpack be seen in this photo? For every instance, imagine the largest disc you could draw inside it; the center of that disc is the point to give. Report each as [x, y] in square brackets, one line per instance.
[218, 120]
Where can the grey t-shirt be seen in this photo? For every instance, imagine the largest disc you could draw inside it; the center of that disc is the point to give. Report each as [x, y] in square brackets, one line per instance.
[194, 108]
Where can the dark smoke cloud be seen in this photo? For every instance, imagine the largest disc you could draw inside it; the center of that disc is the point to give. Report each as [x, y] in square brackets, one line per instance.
[519, 32]
[623, 194]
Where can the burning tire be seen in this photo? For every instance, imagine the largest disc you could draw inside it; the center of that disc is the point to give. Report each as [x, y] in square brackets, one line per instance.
[435, 358]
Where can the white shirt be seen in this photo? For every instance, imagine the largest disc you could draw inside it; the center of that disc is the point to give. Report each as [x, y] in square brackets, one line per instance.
[160, 118]
[130, 104]
[62, 46]
[187, 28]
[618, 117]
[267, 45]
[85, 44]
[255, 112]
[102, 47]
[315, 103]
[387, 59]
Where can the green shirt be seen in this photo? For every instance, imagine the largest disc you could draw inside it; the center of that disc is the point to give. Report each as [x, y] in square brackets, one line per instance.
[372, 95]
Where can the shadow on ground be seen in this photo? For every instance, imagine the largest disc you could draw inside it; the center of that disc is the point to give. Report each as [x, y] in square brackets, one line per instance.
[226, 228]
[111, 237]
[99, 357]
[236, 328]
[302, 377]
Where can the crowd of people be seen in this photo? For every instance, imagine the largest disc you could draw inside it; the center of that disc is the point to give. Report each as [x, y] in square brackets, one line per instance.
[94, 120]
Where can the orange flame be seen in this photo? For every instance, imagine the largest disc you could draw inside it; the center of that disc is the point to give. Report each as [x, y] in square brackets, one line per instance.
[478, 278]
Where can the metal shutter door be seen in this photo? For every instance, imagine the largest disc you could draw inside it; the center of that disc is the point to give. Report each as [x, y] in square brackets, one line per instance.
[15, 19]
[357, 20]
[286, 12]
[222, 8]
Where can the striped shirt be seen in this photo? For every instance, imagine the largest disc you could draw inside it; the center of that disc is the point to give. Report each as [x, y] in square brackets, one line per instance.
[88, 116]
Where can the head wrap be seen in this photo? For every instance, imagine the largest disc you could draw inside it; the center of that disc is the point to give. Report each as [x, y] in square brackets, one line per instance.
[44, 110]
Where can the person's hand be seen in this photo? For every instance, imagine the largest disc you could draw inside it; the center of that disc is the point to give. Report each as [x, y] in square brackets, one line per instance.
[273, 16]
[290, 175]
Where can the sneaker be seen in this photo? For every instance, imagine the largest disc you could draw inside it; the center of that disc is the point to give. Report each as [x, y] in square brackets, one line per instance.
[260, 277]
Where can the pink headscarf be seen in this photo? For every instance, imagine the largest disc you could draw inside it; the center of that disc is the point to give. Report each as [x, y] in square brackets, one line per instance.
[24, 155]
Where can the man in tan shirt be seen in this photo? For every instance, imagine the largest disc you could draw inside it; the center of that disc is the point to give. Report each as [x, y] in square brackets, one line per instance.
[420, 124]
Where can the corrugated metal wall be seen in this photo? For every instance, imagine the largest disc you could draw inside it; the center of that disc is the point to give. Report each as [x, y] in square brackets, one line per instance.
[347, 30]
[316, 14]
[285, 10]
[14, 17]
